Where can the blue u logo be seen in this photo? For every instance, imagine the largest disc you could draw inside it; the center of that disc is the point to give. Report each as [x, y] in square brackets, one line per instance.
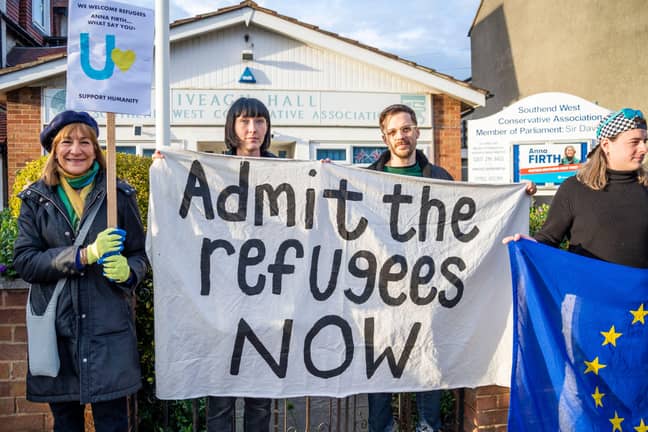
[109, 66]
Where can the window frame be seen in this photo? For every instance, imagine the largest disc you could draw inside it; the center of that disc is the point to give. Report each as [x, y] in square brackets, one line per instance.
[45, 25]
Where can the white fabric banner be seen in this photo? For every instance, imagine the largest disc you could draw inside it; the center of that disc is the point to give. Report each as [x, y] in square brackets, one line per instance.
[281, 278]
[110, 57]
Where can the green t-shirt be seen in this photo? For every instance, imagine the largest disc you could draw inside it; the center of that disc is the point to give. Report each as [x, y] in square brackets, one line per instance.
[412, 170]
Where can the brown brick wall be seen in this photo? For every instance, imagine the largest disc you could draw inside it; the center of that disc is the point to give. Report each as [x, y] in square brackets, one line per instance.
[25, 21]
[16, 413]
[486, 409]
[13, 10]
[447, 134]
[23, 129]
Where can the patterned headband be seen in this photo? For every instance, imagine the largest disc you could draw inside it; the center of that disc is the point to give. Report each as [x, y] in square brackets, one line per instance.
[620, 121]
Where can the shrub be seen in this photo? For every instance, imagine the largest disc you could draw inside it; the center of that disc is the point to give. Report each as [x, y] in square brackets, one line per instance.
[537, 217]
[25, 176]
[8, 232]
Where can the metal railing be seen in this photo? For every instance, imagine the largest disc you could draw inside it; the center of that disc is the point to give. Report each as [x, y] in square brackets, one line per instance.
[317, 414]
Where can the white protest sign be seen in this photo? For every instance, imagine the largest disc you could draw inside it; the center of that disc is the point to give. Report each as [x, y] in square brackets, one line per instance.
[110, 57]
[280, 278]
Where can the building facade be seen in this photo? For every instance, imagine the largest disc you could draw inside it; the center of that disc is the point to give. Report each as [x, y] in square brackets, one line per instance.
[324, 91]
[588, 48]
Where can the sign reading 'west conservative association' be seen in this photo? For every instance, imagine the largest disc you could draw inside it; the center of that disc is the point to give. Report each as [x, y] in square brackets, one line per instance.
[209, 107]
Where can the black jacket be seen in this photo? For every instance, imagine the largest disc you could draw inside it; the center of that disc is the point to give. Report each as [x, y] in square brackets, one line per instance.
[94, 323]
[429, 170]
[608, 224]
[264, 153]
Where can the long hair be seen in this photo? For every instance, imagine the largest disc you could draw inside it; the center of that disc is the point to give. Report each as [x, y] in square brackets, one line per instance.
[247, 107]
[593, 173]
[50, 174]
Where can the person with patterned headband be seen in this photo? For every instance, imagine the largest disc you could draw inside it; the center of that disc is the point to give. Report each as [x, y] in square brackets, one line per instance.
[602, 210]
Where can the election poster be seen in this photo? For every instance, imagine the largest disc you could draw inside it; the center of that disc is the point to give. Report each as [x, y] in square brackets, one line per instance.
[546, 164]
[281, 278]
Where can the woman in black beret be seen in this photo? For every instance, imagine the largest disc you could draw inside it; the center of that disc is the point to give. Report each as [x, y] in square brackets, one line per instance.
[95, 330]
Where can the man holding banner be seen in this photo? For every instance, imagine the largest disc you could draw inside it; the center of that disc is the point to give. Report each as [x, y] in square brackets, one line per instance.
[400, 133]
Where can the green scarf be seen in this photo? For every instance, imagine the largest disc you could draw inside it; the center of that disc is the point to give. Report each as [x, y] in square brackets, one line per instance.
[74, 190]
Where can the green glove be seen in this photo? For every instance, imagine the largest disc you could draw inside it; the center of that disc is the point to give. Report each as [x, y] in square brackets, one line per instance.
[116, 269]
[108, 241]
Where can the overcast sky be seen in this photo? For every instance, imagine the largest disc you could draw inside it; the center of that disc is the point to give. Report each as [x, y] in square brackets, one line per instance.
[432, 33]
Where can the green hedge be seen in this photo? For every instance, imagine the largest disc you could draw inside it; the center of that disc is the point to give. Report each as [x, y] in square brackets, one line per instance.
[8, 232]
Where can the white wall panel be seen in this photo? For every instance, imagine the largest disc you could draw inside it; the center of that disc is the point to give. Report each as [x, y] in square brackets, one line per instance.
[213, 60]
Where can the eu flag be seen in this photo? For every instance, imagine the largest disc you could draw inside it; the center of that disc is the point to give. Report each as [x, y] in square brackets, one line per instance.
[580, 344]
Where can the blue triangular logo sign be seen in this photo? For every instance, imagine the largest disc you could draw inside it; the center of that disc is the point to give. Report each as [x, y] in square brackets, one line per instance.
[247, 77]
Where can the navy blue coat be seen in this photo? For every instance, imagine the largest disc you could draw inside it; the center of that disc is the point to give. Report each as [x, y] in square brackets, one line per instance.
[94, 323]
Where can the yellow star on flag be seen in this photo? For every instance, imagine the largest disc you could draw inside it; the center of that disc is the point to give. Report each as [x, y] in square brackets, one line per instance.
[611, 336]
[639, 314]
[642, 427]
[598, 399]
[616, 422]
[594, 366]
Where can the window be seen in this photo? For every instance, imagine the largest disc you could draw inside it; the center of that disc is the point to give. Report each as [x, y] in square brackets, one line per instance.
[332, 154]
[40, 14]
[367, 155]
[59, 21]
[127, 149]
[139, 150]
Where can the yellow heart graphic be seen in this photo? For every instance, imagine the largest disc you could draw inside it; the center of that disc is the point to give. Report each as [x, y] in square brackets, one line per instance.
[123, 59]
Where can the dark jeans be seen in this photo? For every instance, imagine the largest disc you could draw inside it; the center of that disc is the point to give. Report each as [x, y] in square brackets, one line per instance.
[220, 414]
[109, 416]
[429, 411]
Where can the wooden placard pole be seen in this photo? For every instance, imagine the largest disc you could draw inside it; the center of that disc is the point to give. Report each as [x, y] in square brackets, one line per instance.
[111, 171]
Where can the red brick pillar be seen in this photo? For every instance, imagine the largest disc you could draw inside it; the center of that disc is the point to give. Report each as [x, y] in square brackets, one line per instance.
[446, 125]
[16, 413]
[23, 129]
[486, 409]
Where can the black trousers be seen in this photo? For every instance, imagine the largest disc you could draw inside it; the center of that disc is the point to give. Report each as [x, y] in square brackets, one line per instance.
[109, 416]
[220, 414]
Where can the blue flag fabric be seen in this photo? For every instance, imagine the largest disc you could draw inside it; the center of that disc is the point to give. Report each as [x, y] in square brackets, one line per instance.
[580, 344]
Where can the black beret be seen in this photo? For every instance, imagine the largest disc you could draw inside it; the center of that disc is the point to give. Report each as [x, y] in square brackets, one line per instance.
[63, 119]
